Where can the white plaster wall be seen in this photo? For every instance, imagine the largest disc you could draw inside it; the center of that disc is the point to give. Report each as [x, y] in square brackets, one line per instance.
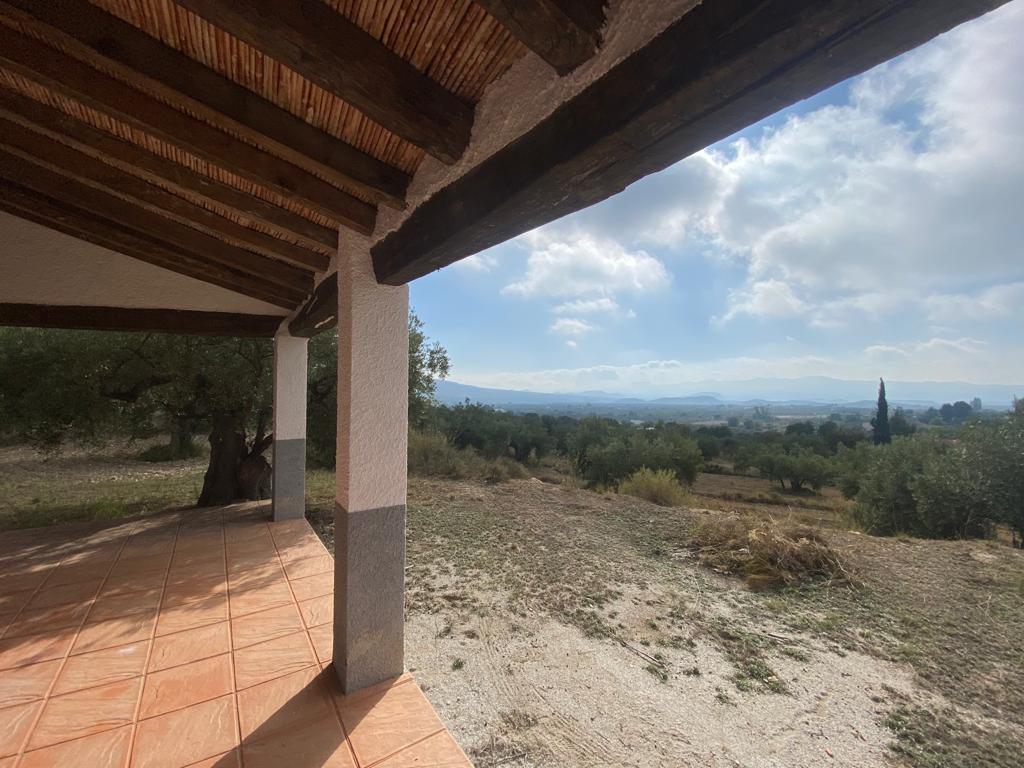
[42, 266]
[373, 382]
[530, 91]
[290, 374]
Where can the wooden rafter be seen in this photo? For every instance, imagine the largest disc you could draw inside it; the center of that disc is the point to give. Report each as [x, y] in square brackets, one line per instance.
[320, 312]
[128, 156]
[108, 207]
[565, 33]
[719, 68]
[189, 322]
[323, 46]
[76, 165]
[103, 40]
[65, 75]
[28, 204]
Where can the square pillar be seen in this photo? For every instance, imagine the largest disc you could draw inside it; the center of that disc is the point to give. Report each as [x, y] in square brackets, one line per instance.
[369, 531]
[289, 492]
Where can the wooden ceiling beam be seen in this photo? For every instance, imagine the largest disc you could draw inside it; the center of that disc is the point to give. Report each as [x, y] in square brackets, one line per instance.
[99, 144]
[721, 67]
[106, 206]
[105, 41]
[69, 162]
[189, 322]
[315, 41]
[67, 76]
[565, 33]
[42, 210]
[319, 312]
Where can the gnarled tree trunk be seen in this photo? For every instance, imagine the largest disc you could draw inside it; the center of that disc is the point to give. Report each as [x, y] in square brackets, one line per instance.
[236, 470]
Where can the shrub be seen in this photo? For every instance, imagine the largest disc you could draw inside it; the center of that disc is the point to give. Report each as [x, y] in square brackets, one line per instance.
[431, 455]
[800, 467]
[659, 486]
[922, 487]
[769, 554]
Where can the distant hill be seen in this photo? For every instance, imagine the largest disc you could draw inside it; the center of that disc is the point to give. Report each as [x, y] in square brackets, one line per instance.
[808, 390]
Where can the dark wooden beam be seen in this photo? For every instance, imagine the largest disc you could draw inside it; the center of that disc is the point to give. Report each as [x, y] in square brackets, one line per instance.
[323, 46]
[105, 41]
[158, 170]
[30, 205]
[106, 206]
[66, 76]
[320, 312]
[187, 322]
[69, 162]
[565, 33]
[721, 67]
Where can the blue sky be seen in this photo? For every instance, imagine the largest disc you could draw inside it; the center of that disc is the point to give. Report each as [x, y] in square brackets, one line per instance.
[876, 229]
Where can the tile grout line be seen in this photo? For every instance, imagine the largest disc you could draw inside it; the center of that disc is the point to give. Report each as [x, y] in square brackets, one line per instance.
[67, 654]
[35, 591]
[309, 640]
[231, 645]
[149, 651]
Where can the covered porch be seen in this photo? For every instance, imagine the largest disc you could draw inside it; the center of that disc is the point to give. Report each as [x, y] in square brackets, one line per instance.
[190, 638]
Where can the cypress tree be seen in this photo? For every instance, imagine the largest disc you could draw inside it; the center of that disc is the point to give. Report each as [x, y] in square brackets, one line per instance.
[880, 424]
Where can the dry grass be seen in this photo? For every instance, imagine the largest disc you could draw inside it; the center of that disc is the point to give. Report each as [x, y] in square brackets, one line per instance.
[768, 554]
[658, 486]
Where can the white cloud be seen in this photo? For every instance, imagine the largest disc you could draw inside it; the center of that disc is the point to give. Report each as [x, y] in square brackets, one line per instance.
[571, 344]
[766, 298]
[572, 326]
[586, 265]
[587, 307]
[480, 262]
[999, 301]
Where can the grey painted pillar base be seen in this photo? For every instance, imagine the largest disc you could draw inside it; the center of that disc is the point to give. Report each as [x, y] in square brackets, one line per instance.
[369, 595]
[289, 492]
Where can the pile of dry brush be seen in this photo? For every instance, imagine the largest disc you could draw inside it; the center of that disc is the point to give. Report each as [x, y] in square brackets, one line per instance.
[769, 554]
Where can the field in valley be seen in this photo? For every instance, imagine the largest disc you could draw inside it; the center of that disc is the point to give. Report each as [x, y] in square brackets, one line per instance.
[558, 627]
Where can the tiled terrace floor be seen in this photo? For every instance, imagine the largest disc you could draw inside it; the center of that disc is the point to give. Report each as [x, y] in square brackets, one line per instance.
[189, 639]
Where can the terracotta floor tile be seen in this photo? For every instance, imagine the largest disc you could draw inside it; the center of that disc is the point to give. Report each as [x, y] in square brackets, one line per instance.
[267, 573]
[190, 645]
[319, 610]
[323, 642]
[383, 720]
[12, 602]
[25, 684]
[315, 743]
[22, 580]
[191, 591]
[317, 585]
[119, 583]
[110, 632]
[8, 762]
[251, 600]
[191, 615]
[109, 748]
[265, 625]
[186, 736]
[188, 684]
[141, 565]
[274, 658]
[283, 704]
[109, 665]
[19, 651]
[310, 566]
[82, 713]
[65, 593]
[114, 606]
[227, 760]
[40, 620]
[79, 572]
[437, 751]
[15, 723]
[300, 551]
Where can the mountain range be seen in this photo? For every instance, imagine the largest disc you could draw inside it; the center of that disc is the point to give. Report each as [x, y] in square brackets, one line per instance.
[809, 390]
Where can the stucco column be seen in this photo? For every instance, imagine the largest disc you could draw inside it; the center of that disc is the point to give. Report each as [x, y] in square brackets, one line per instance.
[369, 531]
[289, 426]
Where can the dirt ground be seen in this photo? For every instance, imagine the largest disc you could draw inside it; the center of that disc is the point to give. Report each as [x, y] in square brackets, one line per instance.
[559, 627]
